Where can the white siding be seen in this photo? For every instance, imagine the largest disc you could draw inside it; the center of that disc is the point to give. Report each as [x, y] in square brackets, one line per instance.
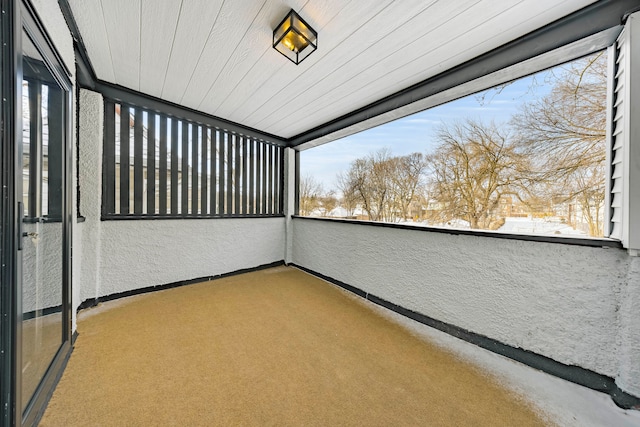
[632, 142]
[618, 136]
[625, 164]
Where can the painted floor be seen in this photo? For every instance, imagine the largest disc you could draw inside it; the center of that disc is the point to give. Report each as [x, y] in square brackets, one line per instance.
[281, 347]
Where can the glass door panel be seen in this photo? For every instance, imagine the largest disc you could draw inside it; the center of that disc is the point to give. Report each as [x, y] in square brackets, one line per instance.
[43, 232]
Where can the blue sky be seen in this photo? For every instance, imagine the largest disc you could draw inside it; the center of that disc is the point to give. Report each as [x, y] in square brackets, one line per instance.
[415, 133]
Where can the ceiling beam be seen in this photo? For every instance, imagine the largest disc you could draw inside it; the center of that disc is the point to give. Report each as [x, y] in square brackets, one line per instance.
[121, 94]
[85, 72]
[595, 18]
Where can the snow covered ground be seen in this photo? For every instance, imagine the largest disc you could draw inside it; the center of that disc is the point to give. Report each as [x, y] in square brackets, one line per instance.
[529, 226]
[538, 226]
[560, 402]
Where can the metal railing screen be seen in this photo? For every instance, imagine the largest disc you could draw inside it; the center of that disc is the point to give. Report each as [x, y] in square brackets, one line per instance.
[161, 166]
[42, 154]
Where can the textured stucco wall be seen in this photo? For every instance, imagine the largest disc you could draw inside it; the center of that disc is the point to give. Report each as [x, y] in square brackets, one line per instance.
[557, 300]
[42, 266]
[289, 199]
[629, 334]
[90, 167]
[137, 254]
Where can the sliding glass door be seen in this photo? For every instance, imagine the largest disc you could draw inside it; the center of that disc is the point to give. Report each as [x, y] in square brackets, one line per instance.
[42, 167]
[36, 159]
[9, 383]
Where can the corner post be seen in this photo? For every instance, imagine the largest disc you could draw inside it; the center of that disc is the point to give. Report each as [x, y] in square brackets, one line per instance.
[291, 158]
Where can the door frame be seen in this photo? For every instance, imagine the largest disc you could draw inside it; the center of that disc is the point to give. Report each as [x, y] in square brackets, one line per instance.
[19, 16]
[9, 225]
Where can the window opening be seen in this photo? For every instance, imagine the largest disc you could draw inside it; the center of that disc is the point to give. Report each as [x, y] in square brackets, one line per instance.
[524, 157]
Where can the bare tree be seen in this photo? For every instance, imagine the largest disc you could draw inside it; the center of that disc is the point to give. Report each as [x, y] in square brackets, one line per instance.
[368, 179]
[384, 185]
[407, 177]
[349, 199]
[564, 134]
[472, 168]
[310, 193]
[328, 202]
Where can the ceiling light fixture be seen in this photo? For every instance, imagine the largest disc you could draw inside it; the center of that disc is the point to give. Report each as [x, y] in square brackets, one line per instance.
[294, 38]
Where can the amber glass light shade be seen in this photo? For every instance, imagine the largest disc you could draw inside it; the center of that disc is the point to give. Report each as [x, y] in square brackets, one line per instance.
[294, 38]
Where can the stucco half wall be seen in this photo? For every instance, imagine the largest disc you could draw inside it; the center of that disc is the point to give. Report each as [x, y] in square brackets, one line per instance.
[557, 300]
[138, 254]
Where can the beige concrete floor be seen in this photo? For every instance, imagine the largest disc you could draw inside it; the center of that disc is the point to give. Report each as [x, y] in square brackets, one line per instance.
[274, 347]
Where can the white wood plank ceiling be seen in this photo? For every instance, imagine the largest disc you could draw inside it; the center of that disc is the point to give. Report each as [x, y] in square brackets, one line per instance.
[216, 56]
